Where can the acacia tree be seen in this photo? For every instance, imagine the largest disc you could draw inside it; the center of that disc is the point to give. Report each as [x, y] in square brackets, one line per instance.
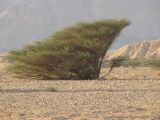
[76, 52]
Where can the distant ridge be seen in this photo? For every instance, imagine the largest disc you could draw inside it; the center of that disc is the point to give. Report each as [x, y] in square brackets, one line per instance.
[143, 50]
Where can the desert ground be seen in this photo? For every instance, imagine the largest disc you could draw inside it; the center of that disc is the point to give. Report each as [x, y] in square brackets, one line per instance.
[126, 94]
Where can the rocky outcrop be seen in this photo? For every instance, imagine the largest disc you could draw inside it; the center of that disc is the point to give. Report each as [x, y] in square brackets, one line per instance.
[142, 50]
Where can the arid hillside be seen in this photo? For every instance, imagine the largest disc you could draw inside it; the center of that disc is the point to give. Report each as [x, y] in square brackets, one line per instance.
[142, 50]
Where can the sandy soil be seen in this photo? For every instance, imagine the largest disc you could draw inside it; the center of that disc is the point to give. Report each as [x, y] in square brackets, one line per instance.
[127, 94]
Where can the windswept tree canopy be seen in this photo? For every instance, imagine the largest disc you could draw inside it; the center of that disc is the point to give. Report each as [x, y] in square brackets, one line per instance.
[76, 52]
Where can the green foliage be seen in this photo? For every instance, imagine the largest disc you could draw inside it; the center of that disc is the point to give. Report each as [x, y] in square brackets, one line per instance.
[116, 62]
[133, 63]
[154, 63]
[76, 52]
[126, 61]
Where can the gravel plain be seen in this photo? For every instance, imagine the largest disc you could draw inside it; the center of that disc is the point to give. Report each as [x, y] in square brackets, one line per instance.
[126, 94]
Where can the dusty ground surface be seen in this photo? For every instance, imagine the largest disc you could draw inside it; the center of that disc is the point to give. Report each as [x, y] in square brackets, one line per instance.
[127, 94]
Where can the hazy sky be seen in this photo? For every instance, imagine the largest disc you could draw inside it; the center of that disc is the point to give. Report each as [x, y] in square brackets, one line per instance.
[25, 21]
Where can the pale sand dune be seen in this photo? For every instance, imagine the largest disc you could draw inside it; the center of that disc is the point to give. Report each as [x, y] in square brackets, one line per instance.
[113, 99]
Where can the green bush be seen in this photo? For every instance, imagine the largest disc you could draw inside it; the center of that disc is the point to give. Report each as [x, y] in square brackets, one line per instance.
[133, 63]
[126, 61]
[76, 52]
[154, 63]
[116, 62]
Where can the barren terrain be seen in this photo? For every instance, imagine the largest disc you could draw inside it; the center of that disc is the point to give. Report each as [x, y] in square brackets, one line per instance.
[148, 49]
[126, 94]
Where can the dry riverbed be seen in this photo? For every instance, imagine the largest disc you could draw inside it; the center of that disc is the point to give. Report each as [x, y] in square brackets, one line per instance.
[127, 94]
